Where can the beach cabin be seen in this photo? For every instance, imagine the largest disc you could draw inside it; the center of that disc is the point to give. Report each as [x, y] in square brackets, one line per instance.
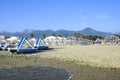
[85, 42]
[98, 41]
[112, 40]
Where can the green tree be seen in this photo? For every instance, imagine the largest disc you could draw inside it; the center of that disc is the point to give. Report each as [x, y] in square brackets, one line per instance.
[117, 35]
[31, 35]
[90, 37]
[60, 35]
[75, 34]
[6, 37]
[78, 35]
[53, 34]
[43, 36]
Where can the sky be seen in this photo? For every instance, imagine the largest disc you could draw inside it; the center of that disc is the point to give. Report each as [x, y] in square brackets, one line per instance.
[18, 15]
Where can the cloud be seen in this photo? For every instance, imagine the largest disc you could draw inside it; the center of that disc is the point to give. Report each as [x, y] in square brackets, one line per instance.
[86, 18]
[77, 13]
[87, 15]
[103, 16]
[95, 17]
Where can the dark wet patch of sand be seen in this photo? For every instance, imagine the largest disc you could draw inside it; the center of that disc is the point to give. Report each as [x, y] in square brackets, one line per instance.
[34, 73]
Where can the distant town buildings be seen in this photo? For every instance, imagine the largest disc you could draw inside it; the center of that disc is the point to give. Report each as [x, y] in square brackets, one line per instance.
[55, 40]
[2, 37]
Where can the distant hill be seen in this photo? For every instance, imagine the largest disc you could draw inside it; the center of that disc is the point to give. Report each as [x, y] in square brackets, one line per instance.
[90, 31]
[66, 33]
[118, 33]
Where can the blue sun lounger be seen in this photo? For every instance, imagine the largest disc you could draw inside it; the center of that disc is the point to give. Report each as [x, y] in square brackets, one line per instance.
[40, 46]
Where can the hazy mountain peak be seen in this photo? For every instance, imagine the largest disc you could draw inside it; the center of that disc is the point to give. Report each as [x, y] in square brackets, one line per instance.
[89, 29]
[66, 33]
[61, 30]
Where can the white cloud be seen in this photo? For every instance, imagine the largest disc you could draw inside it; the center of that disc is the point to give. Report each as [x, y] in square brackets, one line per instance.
[86, 15]
[103, 16]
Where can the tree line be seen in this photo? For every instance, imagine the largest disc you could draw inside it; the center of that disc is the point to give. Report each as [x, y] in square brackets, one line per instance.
[44, 35]
[90, 37]
[77, 35]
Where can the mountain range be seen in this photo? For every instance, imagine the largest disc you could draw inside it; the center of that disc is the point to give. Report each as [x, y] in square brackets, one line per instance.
[66, 33]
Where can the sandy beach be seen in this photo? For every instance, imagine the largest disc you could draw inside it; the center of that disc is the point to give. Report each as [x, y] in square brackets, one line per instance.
[91, 62]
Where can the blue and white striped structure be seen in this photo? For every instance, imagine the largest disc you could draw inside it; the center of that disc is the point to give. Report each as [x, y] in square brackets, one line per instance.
[39, 46]
[20, 49]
